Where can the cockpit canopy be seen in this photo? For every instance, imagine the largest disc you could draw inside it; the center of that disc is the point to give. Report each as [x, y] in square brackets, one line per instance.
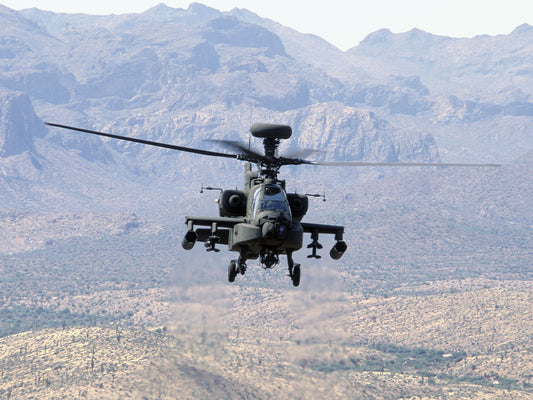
[270, 197]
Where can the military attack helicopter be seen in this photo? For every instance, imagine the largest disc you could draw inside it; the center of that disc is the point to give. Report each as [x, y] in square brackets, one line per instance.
[263, 220]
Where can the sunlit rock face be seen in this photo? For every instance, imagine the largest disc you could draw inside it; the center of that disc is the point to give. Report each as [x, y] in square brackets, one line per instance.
[18, 124]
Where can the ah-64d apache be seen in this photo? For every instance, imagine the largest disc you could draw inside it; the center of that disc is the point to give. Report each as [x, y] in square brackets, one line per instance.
[262, 220]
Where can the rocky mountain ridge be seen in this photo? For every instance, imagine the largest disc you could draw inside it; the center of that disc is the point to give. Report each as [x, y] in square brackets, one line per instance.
[182, 76]
[97, 297]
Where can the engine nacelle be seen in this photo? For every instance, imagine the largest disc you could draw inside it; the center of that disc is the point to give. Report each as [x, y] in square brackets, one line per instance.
[338, 249]
[232, 203]
[299, 204]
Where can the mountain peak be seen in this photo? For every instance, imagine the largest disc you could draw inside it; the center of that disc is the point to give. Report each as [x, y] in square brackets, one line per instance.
[200, 9]
[418, 33]
[159, 9]
[379, 36]
[523, 29]
[162, 10]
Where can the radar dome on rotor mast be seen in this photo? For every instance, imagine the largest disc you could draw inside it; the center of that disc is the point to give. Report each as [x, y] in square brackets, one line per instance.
[270, 131]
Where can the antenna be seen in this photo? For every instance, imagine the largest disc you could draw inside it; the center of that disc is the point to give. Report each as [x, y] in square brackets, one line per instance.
[317, 195]
[210, 188]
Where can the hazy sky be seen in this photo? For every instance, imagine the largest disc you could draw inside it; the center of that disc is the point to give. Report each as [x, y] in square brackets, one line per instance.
[341, 22]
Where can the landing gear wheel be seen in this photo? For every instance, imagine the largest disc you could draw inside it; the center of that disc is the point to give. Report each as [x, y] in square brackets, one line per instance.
[232, 270]
[294, 270]
[295, 276]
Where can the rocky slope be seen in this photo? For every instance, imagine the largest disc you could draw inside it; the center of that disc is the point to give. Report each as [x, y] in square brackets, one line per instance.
[182, 76]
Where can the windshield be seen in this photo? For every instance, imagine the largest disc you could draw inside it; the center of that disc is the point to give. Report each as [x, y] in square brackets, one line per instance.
[272, 199]
[277, 205]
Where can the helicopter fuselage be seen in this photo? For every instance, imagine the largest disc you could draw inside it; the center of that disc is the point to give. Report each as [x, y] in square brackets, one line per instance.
[269, 225]
[262, 221]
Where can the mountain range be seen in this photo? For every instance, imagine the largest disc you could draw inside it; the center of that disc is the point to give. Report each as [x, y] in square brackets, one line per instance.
[183, 76]
[97, 298]
[186, 75]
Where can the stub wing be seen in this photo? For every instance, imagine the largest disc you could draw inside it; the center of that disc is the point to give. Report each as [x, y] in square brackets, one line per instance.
[218, 231]
[320, 228]
[316, 229]
[222, 222]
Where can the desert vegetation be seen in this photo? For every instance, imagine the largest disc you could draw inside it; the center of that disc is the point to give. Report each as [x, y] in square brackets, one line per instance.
[130, 323]
[433, 297]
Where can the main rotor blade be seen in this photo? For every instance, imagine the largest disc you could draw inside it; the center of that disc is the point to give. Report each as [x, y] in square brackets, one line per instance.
[393, 164]
[237, 146]
[302, 153]
[148, 142]
[257, 157]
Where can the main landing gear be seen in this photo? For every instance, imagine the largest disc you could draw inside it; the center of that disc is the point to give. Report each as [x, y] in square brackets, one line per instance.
[239, 266]
[294, 270]
[235, 267]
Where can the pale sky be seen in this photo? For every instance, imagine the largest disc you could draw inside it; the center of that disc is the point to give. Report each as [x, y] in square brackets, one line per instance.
[343, 23]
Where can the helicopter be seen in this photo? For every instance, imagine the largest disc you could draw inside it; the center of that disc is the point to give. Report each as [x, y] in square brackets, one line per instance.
[263, 221]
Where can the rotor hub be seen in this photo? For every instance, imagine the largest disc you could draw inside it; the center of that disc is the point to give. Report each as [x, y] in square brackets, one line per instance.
[270, 163]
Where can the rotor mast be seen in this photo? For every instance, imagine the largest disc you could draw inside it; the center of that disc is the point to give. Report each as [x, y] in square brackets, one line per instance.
[271, 135]
[270, 165]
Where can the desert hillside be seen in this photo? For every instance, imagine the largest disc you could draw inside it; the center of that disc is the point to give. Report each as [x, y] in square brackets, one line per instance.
[451, 339]
[98, 300]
